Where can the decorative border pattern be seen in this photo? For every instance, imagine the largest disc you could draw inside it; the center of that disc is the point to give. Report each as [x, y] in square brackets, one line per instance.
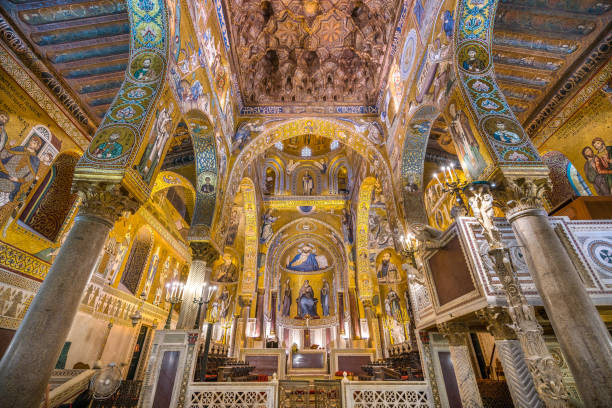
[473, 63]
[33, 90]
[251, 241]
[366, 279]
[133, 105]
[16, 260]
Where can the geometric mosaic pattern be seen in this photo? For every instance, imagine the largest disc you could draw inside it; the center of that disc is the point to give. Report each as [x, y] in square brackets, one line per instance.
[231, 399]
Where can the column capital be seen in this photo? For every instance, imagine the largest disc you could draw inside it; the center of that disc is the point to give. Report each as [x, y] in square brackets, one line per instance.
[498, 322]
[106, 201]
[523, 194]
[203, 251]
[454, 332]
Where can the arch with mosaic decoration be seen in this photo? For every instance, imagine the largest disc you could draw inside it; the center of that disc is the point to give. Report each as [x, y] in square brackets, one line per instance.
[118, 139]
[474, 68]
[345, 133]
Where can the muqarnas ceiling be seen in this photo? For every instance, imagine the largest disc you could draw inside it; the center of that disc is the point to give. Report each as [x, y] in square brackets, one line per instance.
[296, 52]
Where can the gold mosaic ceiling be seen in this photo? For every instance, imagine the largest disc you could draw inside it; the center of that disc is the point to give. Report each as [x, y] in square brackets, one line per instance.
[299, 52]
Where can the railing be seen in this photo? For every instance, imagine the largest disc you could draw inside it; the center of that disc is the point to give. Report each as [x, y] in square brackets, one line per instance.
[355, 394]
[232, 395]
[386, 394]
[60, 376]
[69, 390]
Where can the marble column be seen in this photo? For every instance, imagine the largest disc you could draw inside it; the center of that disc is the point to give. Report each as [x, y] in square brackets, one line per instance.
[240, 340]
[26, 366]
[373, 327]
[582, 335]
[457, 336]
[518, 378]
[203, 254]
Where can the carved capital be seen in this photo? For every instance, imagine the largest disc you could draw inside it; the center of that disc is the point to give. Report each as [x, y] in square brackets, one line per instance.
[522, 193]
[107, 201]
[455, 333]
[367, 305]
[498, 321]
[203, 251]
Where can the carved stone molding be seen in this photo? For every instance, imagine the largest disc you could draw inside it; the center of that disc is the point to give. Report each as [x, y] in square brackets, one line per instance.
[498, 321]
[38, 68]
[204, 251]
[107, 201]
[455, 333]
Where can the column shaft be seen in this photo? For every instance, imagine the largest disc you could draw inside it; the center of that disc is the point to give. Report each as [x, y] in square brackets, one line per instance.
[198, 274]
[26, 367]
[518, 377]
[466, 379]
[456, 333]
[583, 337]
[374, 330]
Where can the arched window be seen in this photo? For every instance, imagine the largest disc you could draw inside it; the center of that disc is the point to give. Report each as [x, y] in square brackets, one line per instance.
[52, 201]
[343, 178]
[137, 260]
[270, 181]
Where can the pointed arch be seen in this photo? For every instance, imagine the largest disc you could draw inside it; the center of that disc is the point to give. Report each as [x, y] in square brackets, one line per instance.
[413, 160]
[118, 139]
[501, 132]
[169, 179]
[206, 165]
[277, 166]
[52, 202]
[137, 260]
[346, 133]
[335, 166]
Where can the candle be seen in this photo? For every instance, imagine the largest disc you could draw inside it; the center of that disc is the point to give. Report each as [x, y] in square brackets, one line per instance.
[449, 174]
[444, 174]
[436, 176]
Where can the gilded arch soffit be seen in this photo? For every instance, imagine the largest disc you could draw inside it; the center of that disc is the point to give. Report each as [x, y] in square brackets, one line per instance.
[169, 179]
[120, 136]
[474, 69]
[344, 132]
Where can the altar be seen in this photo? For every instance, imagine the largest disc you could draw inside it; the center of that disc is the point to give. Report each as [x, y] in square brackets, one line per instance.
[308, 363]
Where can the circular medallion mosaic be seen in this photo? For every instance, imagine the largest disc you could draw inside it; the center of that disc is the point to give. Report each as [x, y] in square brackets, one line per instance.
[600, 252]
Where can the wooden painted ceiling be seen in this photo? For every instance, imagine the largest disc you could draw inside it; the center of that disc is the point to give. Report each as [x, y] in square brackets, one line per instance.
[84, 43]
[537, 43]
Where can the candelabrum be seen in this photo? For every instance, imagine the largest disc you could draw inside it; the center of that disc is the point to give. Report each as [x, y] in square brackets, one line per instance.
[408, 247]
[209, 328]
[454, 186]
[174, 295]
[205, 295]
